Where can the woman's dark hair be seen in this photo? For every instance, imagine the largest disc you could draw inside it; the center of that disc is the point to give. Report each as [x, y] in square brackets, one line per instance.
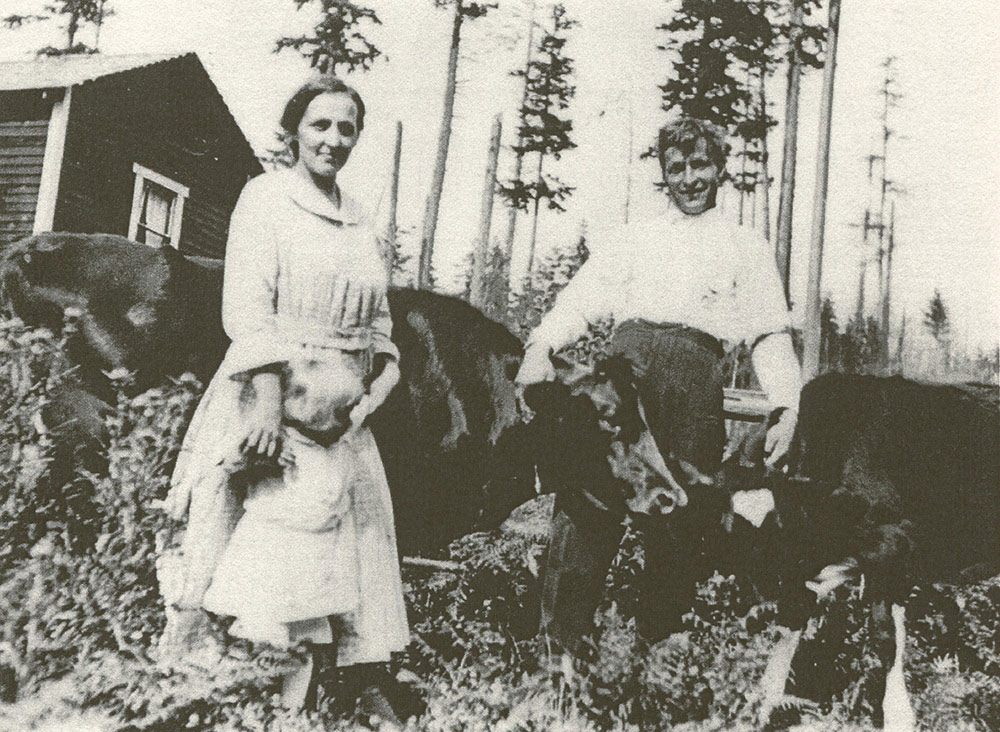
[299, 102]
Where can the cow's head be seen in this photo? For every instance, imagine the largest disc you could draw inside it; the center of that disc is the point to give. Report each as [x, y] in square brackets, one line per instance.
[596, 441]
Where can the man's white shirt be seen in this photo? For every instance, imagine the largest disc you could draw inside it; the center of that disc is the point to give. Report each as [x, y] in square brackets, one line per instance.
[701, 271]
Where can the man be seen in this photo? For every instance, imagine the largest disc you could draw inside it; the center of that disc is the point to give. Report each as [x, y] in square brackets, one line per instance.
[680, 287]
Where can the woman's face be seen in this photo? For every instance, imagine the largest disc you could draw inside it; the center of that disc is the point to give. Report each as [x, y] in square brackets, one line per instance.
[326, 135]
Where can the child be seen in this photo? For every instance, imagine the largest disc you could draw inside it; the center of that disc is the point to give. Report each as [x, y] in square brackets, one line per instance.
[298, 554]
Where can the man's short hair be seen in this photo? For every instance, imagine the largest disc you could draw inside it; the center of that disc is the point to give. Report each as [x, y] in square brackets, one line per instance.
[684, 134]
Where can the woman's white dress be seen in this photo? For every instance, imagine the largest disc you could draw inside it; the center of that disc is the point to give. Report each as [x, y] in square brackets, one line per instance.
[303, 280]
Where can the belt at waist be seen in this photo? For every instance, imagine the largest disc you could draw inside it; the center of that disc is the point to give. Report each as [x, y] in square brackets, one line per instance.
[699, 338]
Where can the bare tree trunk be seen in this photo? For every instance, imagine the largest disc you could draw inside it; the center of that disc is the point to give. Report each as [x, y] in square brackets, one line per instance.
[882, 229]
[859, 308]
[392, 229]
[437, 183]
[900, 365]
[888, 285]
[534, 219]
[812, 335]
[743, 177]
[71, 28]
[99, 23]
[508, 248]
[764, 172]
[628, 165]
[478, 289]
[786, 199]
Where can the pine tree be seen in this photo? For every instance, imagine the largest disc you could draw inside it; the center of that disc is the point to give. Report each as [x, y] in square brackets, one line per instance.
[336, 41]
[77, 14]
[724, 52]
[542, 131]
[936, 318]
[938, 324]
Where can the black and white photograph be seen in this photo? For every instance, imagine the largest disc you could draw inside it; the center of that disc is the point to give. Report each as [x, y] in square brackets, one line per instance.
[499, 366]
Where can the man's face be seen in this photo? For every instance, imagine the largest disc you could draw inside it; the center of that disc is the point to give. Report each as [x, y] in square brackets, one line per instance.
[692, 180]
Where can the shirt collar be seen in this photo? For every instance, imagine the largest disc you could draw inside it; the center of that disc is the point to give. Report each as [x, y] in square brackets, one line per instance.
[312, 199]
[675, 216]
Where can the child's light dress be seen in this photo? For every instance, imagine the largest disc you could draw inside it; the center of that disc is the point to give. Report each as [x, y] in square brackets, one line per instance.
[304, 280]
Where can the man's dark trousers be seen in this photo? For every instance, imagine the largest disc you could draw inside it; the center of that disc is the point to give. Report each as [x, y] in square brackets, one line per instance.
[678, 372]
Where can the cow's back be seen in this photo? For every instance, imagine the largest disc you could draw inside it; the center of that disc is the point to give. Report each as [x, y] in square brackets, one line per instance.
[936, 447]
[450, 433]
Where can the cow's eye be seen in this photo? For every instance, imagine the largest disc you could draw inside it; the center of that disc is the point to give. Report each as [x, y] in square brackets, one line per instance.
[26, 257]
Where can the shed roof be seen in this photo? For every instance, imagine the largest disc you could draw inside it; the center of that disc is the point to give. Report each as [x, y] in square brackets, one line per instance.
[70, 70]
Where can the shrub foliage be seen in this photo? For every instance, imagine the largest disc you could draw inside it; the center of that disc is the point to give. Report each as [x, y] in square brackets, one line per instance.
[80, 610]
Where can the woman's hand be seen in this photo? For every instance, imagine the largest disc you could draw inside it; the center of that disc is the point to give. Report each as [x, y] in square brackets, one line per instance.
[377, 393]
[261, 431]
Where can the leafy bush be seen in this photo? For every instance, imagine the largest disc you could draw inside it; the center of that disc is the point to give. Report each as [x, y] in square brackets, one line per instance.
[79, 602]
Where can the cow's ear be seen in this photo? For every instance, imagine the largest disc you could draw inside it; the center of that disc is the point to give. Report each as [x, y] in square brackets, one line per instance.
[561, 363]
[171, 255]
[576, 377]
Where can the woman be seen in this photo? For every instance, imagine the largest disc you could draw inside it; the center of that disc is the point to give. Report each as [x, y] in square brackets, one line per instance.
[304, 302]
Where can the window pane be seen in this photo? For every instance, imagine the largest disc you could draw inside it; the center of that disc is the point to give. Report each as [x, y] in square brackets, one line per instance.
[156, 207]
[148, 236]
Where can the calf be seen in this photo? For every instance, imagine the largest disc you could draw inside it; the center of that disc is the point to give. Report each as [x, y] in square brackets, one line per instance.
[456, 454]
[894, 481]
[591, 421]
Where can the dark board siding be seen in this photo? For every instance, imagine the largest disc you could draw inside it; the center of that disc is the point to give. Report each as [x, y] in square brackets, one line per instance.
[22, 149]
[169, 118]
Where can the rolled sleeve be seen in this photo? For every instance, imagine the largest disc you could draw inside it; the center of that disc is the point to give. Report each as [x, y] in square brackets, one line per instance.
[778, 370]
[593, 293]
[762, 295]
[382, 330]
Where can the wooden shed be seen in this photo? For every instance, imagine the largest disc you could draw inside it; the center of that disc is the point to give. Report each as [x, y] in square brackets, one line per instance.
[138, 145]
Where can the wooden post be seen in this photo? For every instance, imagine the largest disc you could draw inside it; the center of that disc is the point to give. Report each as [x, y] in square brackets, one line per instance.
[812, 335]
[392, 230]
[444, 138]
[786, 199]
[477, 293]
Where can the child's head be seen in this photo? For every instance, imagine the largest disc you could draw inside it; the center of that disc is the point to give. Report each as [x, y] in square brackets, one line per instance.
[319, 393]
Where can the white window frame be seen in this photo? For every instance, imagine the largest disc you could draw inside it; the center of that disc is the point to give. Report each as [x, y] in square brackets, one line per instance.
[143, 174]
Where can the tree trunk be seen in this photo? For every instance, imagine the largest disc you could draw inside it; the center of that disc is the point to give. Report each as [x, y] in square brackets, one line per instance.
[71, 28]
[764, 172]
[534, 218]
[786, 199]
[99, 22]
[859, 308]
[812, 327]
[508, 248]
[888, 287]
[437, 183]
[392, 229]
[478, 289]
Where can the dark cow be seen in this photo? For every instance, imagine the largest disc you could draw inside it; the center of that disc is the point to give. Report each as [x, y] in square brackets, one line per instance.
[591, 419]
[894, 481]
[450, 434]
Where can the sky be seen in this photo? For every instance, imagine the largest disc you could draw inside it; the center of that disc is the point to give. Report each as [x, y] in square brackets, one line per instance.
[946, 154]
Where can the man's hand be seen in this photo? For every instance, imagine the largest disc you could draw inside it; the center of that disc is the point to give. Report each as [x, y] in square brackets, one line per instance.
[261, 429]
[779, 438]
[536, 367]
